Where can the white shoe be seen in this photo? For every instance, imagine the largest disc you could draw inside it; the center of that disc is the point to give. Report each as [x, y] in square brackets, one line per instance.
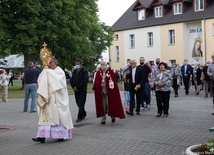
[142, 108]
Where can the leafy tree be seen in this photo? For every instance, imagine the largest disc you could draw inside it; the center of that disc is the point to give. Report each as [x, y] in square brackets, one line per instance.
[71, 29]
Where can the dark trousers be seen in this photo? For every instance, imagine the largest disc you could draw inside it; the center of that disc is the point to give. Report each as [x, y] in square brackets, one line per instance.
[162, 98]
[80, 100]
[138, 95]
[212, 83]
[10, 82]
[175, 86]
[146, 94]
[186, 84]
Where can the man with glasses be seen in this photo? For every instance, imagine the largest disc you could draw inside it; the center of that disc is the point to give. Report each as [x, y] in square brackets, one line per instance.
[134, 88]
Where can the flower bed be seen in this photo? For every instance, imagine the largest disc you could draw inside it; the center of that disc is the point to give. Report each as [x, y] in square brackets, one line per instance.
[201, 149]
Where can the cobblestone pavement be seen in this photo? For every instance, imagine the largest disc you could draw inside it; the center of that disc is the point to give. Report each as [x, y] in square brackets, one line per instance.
[188, 123]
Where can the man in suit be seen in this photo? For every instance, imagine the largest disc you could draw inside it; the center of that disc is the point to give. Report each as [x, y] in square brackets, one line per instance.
[186, 71]
[134, 88]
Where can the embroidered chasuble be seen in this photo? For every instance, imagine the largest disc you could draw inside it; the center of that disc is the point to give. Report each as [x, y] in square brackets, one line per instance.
[53, 103]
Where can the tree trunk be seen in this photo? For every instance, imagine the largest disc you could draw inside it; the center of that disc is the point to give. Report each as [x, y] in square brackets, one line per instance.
[28, 57]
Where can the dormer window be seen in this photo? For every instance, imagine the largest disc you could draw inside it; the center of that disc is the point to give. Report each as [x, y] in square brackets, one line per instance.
[177, 8]
[158, 11]
[141, 14]
[199, 5]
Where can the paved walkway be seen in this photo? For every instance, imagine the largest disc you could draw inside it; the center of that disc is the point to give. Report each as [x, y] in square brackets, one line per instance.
[188, 123]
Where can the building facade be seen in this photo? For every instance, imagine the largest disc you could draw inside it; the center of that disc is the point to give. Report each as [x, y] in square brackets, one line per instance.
[172, 30]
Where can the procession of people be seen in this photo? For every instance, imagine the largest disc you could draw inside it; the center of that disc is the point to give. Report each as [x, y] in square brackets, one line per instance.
[48, 88]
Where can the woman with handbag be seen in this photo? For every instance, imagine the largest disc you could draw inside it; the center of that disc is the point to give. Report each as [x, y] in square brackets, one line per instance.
[4, 80]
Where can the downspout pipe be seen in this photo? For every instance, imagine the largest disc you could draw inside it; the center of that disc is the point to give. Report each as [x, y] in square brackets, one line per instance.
[205, 43]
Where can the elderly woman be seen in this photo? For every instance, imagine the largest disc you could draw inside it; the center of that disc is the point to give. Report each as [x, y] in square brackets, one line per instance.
[176, 73]
[4, 80]
[197, 77]
[163, 82]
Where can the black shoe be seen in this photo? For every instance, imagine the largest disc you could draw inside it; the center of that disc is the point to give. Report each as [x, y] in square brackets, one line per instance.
[60, 140]
[84, 116]
[113, 120]
[103, 123]
[129, 113]
[138, 113]
[79, 120]
[41, 140]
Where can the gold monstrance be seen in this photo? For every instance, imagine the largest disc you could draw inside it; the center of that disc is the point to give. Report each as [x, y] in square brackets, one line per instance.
[45, 56]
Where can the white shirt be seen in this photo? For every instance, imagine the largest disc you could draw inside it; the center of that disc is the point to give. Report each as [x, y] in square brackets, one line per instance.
[133, 74]
[161, 74]
[185, 69]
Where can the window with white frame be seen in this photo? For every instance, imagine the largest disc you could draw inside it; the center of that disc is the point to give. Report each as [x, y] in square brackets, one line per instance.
[131, 41]
[177, 8]
[117, 53]
[116, 37]
[171, 37]
[150, 39]
[141, 14]
[199, 5]
[158, 11]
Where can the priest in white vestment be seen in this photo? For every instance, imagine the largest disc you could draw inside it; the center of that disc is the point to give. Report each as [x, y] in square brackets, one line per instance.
[53, 105]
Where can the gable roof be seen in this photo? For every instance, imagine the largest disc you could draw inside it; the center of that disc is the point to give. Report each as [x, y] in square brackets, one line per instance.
[129, 19]
[14, 61]
[163, 2]
[142, 4]
[145, 3]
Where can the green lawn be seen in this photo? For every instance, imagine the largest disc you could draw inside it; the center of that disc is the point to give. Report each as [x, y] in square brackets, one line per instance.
[15, 92]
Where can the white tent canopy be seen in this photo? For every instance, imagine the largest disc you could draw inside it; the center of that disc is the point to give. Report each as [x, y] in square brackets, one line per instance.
[14, 61]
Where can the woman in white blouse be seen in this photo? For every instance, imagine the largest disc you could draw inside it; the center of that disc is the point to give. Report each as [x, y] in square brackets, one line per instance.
[4, 80]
